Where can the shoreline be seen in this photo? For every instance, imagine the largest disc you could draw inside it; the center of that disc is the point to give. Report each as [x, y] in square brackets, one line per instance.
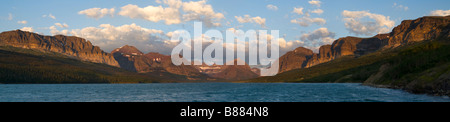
[412, 91]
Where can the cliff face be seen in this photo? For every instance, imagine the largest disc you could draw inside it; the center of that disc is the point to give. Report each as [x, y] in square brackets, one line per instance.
[126, 56]
[67, 45]
[425, 28]
[409, 31]
[294, 59]
[304, 58]
[357, 46]
[324, 55]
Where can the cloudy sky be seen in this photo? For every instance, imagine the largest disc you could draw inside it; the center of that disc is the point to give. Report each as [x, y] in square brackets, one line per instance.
[148, 24]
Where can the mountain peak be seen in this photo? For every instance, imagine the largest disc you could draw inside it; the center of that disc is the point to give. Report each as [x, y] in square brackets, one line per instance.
[303, 51]
[294, 59]
[127, 49]
[235, 72]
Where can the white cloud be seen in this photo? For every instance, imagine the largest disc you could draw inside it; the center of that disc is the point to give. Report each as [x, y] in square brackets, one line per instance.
[248, 19]
[405, 8]
[284, 45]
[10, 16]
[110, 37]
[272, 7]
[306, 21]
[315, 2]
[62, 25]
[49, 16]
[299, 11]
[29, 29]
[22, 22]
[98, 13]
[110, 32]
[176, 12]
[169, 34]
[355, 23]
[55, 31]
[328, 40]
[313, 40]
[171, 15]
[317, 11]
[202, 12]
[440, 13]
[320, 36]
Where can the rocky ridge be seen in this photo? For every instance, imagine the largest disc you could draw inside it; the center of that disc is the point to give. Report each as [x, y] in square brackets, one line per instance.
[409, 31]
[68, 45]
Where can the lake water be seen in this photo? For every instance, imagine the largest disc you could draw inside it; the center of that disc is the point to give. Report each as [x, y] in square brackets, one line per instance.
[207, 92]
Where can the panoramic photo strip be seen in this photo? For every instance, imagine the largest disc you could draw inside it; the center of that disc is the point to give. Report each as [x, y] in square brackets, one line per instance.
[221, 59]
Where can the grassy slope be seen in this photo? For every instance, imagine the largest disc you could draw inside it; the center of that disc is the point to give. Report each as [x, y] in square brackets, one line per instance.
[421, 68]
[19, 65]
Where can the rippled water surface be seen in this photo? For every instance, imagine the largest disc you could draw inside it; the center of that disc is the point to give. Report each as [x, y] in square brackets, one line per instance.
[207, 92]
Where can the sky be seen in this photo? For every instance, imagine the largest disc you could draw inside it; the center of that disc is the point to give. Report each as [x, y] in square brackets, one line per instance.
[149, 24]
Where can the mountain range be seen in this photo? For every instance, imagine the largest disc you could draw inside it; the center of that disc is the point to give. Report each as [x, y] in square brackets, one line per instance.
[408, 32]
[33, 58]
[126, 57]
[414, 56]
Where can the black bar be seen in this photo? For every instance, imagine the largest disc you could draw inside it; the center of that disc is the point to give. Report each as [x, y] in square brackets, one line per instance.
[172, 110]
